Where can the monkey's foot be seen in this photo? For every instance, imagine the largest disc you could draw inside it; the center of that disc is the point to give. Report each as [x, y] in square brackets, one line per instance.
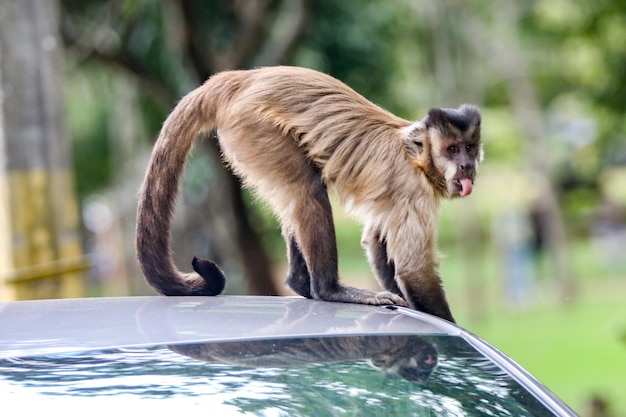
[358, 296]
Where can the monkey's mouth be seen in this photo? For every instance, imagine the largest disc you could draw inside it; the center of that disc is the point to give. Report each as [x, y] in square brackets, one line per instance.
[463, 186]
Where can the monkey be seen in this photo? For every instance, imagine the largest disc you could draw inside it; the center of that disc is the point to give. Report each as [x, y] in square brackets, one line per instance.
[292, 135]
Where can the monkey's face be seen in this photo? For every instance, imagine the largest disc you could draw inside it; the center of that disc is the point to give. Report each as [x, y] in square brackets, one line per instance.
[456, 148]
[458, 160]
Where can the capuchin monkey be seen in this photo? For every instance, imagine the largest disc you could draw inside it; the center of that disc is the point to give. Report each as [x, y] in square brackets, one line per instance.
[291, 134]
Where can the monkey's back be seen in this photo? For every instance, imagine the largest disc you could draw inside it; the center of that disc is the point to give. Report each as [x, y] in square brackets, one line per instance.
[342, 133]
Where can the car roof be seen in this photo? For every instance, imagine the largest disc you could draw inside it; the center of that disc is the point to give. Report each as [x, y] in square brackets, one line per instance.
[38, 327]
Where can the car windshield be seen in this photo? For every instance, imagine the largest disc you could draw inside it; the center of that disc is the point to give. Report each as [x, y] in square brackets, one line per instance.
[392, 375]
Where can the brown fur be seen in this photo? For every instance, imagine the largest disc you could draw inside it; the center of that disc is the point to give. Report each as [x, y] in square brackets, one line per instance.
[291, 133]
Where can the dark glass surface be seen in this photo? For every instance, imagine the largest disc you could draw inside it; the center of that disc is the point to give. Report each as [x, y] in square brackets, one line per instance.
[329, 376]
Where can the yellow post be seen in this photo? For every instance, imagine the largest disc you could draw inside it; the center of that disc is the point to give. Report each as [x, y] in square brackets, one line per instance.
[40, 246]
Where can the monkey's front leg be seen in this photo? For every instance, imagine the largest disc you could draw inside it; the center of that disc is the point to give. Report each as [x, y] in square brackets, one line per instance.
[411, 248]
[424, 291]
[377, 256]
[314, 231]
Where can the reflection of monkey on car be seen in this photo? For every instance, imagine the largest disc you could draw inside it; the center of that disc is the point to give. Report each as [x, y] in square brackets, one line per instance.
[411, 357]
[334, 337]
[291, 134]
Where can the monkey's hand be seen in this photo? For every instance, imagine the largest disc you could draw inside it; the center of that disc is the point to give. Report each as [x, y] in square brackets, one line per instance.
[387, 298]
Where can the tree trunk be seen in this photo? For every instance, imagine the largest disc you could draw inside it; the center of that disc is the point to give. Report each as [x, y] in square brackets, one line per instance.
[41, 251]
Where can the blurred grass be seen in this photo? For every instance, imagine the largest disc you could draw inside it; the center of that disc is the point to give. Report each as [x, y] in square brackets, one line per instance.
[576, 348]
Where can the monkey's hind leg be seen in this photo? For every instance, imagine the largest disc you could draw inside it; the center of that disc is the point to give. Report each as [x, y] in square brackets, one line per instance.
[314, 232]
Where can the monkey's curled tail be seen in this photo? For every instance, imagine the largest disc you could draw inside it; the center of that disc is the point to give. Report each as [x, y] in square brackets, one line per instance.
[193, 115]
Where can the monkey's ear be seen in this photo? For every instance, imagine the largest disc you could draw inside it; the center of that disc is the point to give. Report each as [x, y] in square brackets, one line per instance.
[414, 137]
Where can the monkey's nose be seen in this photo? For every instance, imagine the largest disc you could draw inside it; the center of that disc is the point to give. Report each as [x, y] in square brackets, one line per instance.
[466, 168]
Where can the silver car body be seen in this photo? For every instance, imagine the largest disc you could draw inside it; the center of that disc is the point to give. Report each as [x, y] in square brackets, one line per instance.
[65, 328]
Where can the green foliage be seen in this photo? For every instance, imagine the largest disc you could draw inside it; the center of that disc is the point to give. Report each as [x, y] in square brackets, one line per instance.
[88, 125]
[92, 158]
[581, 50]
[392, 53]
[352, 40]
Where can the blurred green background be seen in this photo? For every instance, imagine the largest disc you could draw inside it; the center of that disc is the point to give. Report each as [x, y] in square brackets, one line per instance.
[534, 261]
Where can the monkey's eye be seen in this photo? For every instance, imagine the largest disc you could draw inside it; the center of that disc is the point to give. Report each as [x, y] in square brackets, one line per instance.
[470, 148]
[453, 149]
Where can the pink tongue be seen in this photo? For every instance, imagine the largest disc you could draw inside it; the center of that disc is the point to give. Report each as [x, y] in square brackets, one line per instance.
[466, 184]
